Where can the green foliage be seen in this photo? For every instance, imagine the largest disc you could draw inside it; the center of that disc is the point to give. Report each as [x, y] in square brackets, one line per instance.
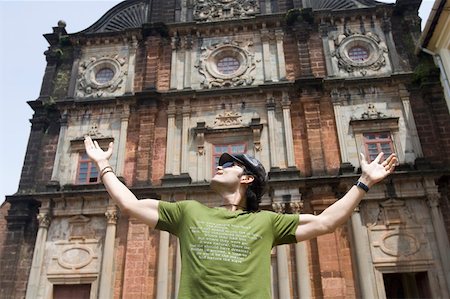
[426, 71]
[299, 15]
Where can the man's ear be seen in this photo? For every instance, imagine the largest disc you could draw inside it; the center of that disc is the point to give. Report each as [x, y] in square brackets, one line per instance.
[247, 179]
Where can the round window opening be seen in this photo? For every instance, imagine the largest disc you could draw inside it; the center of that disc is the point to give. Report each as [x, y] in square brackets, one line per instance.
[228, 65]
[358, 53]
[104, 75]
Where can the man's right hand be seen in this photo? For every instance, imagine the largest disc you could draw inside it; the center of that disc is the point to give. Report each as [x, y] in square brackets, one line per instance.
[95, 152]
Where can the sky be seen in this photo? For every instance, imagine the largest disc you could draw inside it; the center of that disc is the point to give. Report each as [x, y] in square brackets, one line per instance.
[22, 66]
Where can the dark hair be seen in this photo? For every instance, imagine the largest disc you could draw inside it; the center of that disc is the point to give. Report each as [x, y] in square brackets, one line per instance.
[254, 192]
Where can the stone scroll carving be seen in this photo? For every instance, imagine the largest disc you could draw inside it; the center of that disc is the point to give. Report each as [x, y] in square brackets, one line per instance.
[216, 10]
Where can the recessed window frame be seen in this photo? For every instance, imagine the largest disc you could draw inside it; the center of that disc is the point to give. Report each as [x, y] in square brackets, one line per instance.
[378, 140]
[91, 169]
[77, 150]
[231, 148]
[367, 126]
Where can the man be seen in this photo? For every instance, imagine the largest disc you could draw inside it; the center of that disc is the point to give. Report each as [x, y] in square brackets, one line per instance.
[225, 251]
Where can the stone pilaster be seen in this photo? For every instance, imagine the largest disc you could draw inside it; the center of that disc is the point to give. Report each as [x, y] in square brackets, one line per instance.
[122, 142]
[106, 278]
[364, 267]
[280, 55]
[302, 260]
[286, 104]
[272, 134]
[38, 256]
[163, 266]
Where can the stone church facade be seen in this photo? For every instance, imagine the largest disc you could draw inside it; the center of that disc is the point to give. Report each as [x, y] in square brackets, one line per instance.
[304, 86]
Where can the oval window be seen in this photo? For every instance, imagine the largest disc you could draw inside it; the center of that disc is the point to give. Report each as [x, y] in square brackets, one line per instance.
[228, 65]
[104, 75]
[358, 53]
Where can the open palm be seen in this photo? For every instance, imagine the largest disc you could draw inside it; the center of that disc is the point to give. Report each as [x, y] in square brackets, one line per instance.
[376, 171]
[95, 152]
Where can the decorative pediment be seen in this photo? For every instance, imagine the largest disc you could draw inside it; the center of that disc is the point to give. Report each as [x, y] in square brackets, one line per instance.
[77, 144]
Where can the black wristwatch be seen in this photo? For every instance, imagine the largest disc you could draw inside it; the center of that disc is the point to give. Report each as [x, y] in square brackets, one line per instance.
[362, 186]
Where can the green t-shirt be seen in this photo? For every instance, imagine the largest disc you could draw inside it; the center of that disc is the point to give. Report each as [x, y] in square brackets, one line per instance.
[225, 254]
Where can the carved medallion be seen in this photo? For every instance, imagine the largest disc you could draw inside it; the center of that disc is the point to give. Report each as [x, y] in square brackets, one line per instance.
[227, 64]
[99, 77]
[357, 52]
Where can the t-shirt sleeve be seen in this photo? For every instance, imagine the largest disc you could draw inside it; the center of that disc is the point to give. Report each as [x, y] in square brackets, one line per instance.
[284, 227]
[170, 215]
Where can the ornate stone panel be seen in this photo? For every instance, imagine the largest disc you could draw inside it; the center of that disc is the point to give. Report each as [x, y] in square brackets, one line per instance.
[397, 237]
[359, 53]
[241, 72]
[101, 76]
[217, 10]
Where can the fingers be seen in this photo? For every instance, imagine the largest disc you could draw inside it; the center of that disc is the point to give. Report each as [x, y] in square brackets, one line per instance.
[88, 142]
[110, 149]
[390, 163]
[378, 158]
[363, 159]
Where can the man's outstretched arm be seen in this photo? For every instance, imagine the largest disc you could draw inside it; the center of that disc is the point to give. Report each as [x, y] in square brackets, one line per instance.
[145, 210]
[311, 226]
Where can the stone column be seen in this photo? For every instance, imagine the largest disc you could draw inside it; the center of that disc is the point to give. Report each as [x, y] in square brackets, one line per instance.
[173, 64]
[302, 261]
[271, 126]
[171, 110]
[441, 236]
[107, 275]
[286, 104]
[284, 290]
[187, 61]
[280, 55]
[387, 28]
[38, 256]
[340, 126]
[410, 122]
[60, 146]
[265, 38]
[131, 65]
[162, 287]
[185, 137]
[122, 142]
[362, 251]
[324, 28]
[177, 269]
[74, 72]
[268, 6]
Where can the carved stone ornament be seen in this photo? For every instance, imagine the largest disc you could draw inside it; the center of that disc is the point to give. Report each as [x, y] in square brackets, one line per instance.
[372, 113]
[370, 41]
[216, 10]
[212, 55]
[111, 217]
[228, 119]
[88, 86]
[44, 220]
